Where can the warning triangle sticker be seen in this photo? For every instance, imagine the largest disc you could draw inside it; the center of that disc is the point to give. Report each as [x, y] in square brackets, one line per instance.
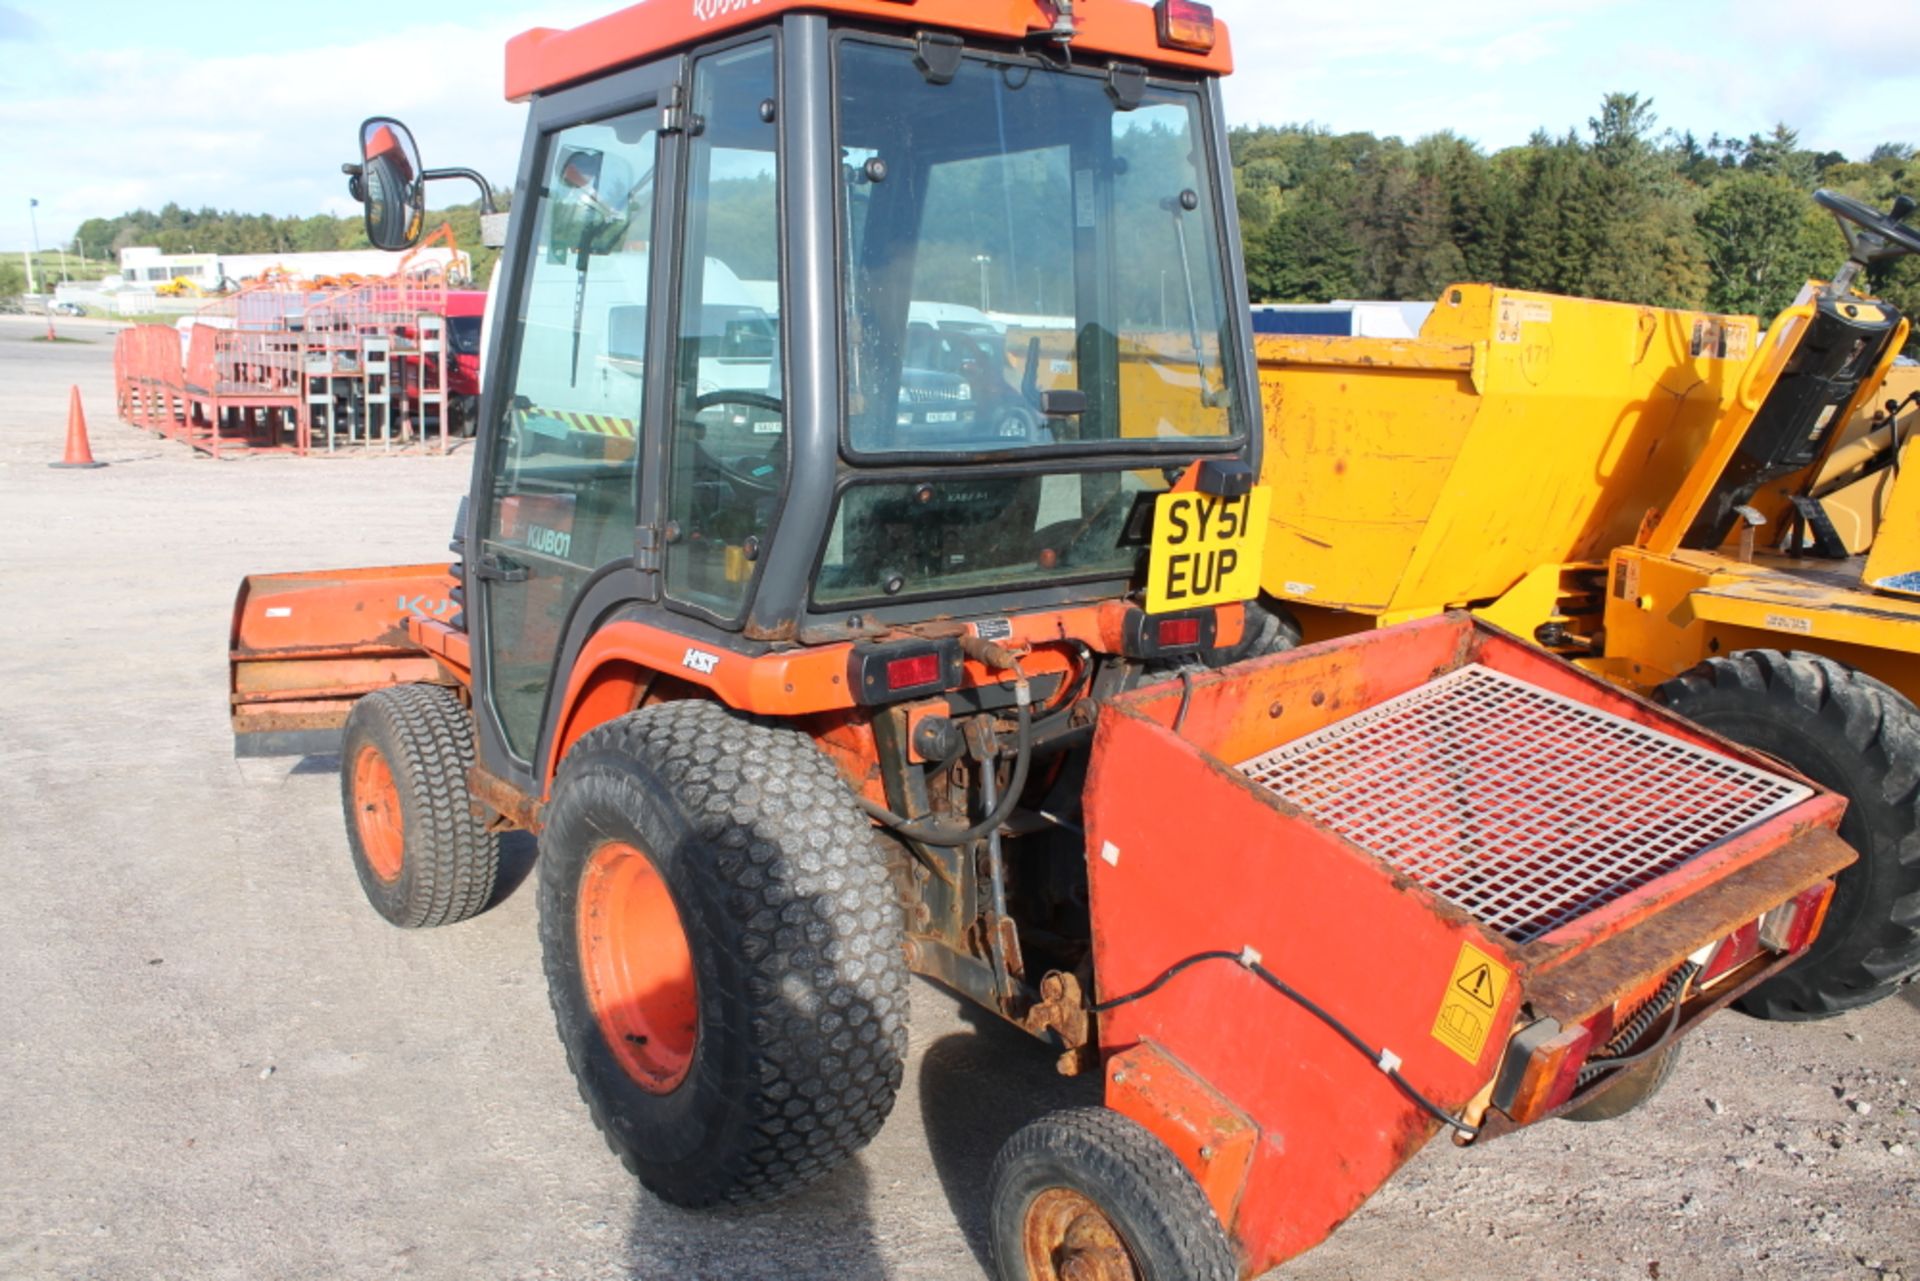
[1478, 984]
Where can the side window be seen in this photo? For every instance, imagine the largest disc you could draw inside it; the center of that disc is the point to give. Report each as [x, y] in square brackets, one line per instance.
[728, 455]
[567, 447]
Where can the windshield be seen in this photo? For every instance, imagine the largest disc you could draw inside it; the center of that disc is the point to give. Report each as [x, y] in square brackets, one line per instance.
[964, 532]
[1013, 236]
[463, 332]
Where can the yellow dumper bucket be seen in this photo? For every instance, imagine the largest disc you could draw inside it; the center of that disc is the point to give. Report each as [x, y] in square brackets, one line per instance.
[1519, 431]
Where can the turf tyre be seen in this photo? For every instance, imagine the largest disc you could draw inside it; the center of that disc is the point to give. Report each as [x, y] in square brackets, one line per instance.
[795, 938]
[446, 862]
[1860, 738]
[1169, 1229]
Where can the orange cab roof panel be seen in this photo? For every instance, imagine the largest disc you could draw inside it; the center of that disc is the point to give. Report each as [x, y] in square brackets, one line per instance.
[545, 59]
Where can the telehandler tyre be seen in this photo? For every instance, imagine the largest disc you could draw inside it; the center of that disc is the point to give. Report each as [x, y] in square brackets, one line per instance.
[1860, 738]
[1089, 1193]
[424, 856]
[1271, 628]
[724, 953]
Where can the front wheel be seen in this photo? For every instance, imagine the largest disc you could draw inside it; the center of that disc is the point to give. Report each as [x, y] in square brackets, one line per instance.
[1855, 736]
[424, 854]
[1088, 1193]
[723, 953]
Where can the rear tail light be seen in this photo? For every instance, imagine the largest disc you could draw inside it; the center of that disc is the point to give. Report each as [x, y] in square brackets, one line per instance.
[1794, 925]
[913, 669]
[1145, 635]
[1178, 633]
[1541, 1070]
[1186, 25]
[909, 673]
[1732, 952]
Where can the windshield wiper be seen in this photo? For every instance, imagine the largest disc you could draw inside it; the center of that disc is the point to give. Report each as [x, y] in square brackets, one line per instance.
[1179, 206]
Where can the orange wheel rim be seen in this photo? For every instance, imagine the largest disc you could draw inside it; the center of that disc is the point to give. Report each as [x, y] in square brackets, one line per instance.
[376, 812]
[1066, 1237]
[638, 967]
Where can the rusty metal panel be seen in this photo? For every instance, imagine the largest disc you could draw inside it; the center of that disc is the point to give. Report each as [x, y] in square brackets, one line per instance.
[303, 647]
[1212, 1137]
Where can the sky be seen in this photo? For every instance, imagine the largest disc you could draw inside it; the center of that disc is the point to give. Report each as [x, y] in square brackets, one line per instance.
[109, 105]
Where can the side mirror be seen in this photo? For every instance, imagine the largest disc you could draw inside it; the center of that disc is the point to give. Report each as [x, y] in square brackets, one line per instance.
[391, 184]
[593, 203]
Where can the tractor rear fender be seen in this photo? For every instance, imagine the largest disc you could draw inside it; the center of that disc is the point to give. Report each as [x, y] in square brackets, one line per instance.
[304, 647]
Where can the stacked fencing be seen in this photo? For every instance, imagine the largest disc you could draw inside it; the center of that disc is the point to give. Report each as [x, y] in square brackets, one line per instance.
[284, 366]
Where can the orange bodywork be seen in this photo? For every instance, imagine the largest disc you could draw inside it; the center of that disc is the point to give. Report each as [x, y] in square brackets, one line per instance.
[304, 647]
[1287, 1127]
[545, 59]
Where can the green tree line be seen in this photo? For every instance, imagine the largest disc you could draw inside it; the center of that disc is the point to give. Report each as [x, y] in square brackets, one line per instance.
[176, 230]
[1624, 211]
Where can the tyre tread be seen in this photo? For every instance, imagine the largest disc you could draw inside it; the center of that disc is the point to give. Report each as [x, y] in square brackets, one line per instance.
[1882, 728]
[782, 828]
[1118, 1153]
[452, 859]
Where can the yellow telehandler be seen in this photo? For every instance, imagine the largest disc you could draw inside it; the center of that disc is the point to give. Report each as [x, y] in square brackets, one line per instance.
[1675, 500]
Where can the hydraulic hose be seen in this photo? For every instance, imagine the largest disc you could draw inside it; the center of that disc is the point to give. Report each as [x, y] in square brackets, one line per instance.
[928, 832]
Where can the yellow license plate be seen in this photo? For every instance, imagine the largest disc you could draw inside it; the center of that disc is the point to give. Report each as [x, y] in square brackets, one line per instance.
[1206, 550]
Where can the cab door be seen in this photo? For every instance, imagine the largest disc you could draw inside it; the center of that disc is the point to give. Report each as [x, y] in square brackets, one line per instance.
[565, 476]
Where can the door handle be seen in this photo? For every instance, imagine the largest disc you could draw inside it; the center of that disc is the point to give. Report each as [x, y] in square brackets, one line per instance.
[494, 568]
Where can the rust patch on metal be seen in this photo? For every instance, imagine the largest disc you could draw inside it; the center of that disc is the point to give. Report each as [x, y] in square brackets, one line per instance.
[1062, 1010]
[503, 798]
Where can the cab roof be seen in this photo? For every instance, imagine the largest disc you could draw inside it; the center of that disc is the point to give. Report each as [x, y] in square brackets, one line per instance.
[544, 59]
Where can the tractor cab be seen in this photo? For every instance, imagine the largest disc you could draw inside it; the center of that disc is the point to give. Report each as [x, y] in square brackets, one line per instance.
[817, 326]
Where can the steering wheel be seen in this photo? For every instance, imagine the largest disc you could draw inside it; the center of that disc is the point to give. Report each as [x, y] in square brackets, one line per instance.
[730, 469]
[1871, 235]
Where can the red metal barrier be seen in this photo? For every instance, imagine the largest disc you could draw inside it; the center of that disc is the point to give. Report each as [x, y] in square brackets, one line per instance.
[268, 366]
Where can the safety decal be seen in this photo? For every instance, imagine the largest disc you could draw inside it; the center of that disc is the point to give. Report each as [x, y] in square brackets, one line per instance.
[1471, 1001]
[592, 424]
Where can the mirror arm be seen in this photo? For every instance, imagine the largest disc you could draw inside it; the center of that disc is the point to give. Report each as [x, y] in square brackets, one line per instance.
[473, 176]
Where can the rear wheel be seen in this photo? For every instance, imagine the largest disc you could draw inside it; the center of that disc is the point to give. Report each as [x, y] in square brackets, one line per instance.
[1088, 1195]
[723, 952]
[1860, 738]
[424, 856]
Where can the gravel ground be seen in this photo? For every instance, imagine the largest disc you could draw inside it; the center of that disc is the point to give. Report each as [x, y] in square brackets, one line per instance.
[219, 1063]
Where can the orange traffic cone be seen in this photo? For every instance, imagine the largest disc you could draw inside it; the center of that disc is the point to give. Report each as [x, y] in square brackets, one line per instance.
[79, 453]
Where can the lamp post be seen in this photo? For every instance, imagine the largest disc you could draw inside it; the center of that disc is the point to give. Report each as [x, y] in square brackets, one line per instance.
[35, 224]
[33, 221]
[985, 261]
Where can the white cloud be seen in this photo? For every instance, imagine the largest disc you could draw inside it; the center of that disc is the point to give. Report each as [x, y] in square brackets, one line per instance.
[1495, 70]
[126, 128]
[98, 131]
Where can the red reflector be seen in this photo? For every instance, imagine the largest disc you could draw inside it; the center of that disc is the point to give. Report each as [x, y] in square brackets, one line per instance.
[1185, 25]
[1179, 631]
[906, 673]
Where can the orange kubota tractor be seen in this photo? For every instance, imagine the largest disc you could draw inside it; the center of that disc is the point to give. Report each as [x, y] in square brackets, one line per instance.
[828, 628]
